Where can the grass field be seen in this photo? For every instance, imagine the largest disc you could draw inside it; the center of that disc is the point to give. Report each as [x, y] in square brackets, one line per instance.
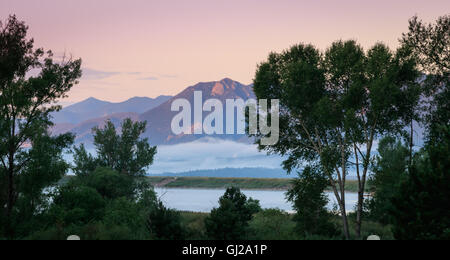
[221, 183]
[279, 228]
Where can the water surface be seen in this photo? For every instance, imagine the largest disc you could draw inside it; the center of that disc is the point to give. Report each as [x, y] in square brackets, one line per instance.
[204, 200]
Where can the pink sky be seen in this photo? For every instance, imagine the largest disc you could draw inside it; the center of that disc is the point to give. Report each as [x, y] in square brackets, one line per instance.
[148, 47]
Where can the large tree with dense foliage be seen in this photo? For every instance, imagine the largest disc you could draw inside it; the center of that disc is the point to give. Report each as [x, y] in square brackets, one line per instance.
[334, 105]
[420, 207]
[31, 83]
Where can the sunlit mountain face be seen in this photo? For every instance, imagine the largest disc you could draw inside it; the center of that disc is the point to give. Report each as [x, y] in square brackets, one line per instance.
[80, 118]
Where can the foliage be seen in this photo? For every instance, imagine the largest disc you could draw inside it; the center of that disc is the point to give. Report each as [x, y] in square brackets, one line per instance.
[420, 208]
[84, 162]
[129, 216]
[108, 183]
[230, 220]
[26, 103]
[165, 224]
[95, 214]
[430, 43]
[390, 171]
[310, 201]
[334, 105]
[194, 222]
[77, 205]
[126, 153]
[107, 199]
[272, 224]
[45, 166]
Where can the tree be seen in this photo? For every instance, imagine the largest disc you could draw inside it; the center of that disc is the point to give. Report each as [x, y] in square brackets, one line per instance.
[165, 224]
[431, 44]
[420, 207]
[128, 217]
[126, 154]
[26, 102]
[95, 206]
[44, 168]
[108, 183]
[390, 171]
[76, 205]
[310, 203]
[230, 221]
[334, 105]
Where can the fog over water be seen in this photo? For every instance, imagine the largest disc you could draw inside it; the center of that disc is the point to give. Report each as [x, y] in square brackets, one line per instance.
[203, 200]
[216, 154]
[200, 155]
[207, 154]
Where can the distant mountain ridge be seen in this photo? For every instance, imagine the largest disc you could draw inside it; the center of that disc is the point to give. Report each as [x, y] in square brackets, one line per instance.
[158, 118]
[233, 173]
[83, 130]
[94, 108]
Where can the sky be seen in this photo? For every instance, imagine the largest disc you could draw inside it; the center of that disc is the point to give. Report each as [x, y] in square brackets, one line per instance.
[151, 48]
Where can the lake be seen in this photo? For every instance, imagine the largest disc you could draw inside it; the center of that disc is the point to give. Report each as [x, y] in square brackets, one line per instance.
[204, 200]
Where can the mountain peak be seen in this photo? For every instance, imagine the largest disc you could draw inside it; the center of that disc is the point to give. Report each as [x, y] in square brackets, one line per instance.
[88, 102]
[227, 81]
[224, 88]
[91, 99]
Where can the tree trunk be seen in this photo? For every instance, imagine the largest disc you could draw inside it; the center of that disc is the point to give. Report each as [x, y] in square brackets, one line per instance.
[360, 206]
[362, 186]
[341, 202]
[10, 199]
[411, 144]
[359, 213]
[345, 222]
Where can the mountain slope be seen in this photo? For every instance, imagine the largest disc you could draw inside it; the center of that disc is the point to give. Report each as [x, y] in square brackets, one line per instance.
[93, 108]
[159, 119]
[83, 130]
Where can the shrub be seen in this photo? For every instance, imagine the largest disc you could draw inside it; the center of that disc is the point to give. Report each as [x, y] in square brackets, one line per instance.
[272, 224]
[165, 224]
[230, 220]
[307, 195]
